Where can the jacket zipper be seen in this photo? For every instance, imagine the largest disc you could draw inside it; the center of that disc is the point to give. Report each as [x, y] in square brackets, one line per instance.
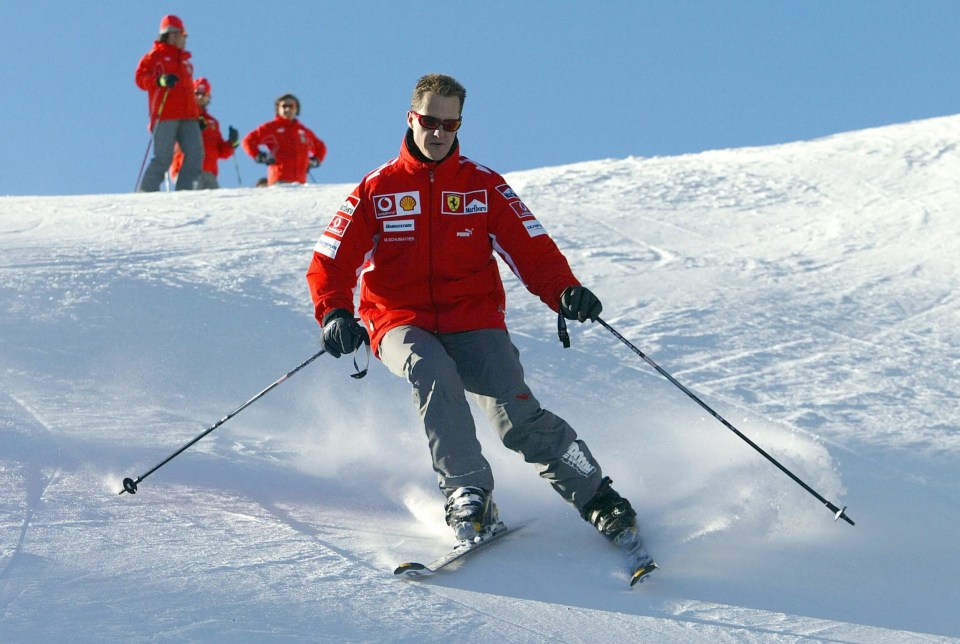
[432, 229]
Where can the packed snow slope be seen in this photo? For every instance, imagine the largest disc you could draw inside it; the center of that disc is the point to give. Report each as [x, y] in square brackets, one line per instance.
[807, 292]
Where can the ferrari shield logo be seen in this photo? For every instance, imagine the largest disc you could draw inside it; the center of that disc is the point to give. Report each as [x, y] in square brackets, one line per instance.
[453, 202]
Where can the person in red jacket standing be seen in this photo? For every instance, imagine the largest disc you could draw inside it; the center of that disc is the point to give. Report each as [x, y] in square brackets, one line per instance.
[292, 149]
[166, 73]
[215, 147]
[422, 232]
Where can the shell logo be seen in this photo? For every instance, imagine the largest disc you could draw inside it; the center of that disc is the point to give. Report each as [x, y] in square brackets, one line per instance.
[408, 203]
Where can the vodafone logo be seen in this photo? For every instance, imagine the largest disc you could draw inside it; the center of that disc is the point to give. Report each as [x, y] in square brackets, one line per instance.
[338, 226]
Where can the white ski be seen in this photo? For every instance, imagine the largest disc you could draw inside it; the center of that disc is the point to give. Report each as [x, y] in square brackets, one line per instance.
[414, 570]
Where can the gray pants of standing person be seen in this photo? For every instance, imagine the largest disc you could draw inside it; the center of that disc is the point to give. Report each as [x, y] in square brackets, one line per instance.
[207, 181]
[166, 133]
[442, 367]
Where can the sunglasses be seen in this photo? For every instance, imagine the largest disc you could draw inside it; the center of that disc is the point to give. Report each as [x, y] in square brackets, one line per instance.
[200, 93]
[287, 106]
[433, 123]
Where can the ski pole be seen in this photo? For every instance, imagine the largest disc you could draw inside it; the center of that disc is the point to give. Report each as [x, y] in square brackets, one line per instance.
[143, 163]
[838, 513]
[236, 164]
[129, 485]
[153, 135]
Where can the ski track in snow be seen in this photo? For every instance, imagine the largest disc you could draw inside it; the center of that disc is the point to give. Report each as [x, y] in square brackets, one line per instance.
[806, 292]
[30, 480]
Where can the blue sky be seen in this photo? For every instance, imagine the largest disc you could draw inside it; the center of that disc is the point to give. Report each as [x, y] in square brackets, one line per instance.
[548, 83]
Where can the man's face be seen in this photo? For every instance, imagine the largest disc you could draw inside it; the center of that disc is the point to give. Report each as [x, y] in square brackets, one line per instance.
[287, 108]
[435, 144]
[202, 98]
[177, 38]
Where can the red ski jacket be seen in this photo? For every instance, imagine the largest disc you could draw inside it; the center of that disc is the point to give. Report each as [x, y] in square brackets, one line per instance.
[214, 147]
[421, 238]
[180, 102]
[291, 143]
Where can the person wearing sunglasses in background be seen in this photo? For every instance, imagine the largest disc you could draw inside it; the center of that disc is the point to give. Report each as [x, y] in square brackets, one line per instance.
[291, 148]
[166, 73]
[421, 231]
[215, 147]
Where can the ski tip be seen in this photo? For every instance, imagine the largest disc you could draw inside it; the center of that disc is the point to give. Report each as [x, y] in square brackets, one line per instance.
[640, 574]
[412, 569]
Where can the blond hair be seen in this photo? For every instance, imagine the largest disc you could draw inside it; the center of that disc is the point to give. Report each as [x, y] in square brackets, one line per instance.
[439, 84]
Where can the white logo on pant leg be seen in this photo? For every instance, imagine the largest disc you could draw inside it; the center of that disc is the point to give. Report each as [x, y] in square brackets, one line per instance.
[578, 460]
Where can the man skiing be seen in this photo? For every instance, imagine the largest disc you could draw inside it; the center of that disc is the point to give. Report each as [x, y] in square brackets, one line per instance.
[421, 232]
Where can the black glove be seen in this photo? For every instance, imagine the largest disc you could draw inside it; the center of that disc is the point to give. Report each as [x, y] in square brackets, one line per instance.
[203, 123]
[314, 162]
[233, 137]
[578, 303]
[341, 333]
[265, 158]
[167, 80]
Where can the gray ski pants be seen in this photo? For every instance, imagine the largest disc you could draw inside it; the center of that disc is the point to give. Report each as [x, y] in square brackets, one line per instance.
[166, 133]
[442, 367]
[207, 181]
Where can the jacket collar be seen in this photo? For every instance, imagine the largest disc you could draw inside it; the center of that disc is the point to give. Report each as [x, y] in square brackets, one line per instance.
[170, 50]
[413, 158]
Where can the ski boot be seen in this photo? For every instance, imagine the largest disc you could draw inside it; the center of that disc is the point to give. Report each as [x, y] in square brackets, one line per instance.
[608, 512]
[472, 514]
[614, 517]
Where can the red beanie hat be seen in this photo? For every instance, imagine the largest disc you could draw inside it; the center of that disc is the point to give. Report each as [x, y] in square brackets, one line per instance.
[202, 85]
[171, 23]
